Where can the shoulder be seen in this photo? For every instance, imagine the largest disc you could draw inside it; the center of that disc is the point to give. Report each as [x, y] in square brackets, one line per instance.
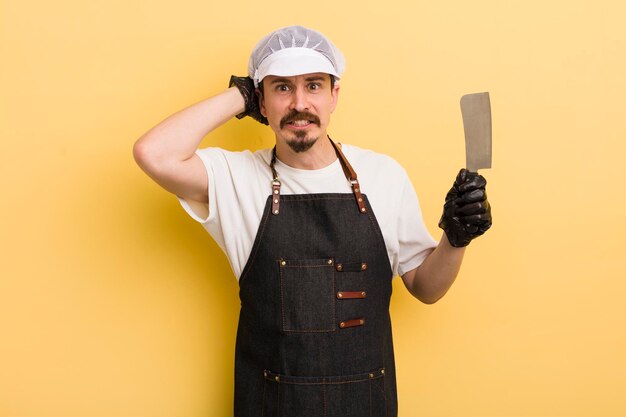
[232, 162]
[367, 162]
[262, 156]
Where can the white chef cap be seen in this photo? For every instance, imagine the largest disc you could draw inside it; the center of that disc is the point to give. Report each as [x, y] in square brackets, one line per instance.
[294, 50]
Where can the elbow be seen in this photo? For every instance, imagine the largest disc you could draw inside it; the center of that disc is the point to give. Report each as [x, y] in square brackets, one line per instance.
[428, 295]
[421, 287]
[144, 155]
[430, 300]
[140, 152]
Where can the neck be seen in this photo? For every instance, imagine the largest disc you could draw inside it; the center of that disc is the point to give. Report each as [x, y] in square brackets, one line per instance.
[320, 155]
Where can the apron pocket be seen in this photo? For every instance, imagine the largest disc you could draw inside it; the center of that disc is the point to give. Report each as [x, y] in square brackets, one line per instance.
[307, 295]
[359, 395]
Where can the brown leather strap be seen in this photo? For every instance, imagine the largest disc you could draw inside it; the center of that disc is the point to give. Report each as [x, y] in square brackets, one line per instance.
[351, 323]
[350, 266]
[275, 197]
[351, 176]
[350, 295]
[347, 170]
[275, 185]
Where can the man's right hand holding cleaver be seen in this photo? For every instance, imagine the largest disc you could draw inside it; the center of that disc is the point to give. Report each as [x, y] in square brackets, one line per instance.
[466, 212]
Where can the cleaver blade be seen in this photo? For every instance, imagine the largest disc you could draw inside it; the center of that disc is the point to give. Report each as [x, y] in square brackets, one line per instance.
[476, 111]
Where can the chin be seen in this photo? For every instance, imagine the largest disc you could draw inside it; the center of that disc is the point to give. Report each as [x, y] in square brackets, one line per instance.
[301, 144]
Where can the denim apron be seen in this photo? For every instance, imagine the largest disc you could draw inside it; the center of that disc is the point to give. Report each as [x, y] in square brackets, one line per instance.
[314, 336]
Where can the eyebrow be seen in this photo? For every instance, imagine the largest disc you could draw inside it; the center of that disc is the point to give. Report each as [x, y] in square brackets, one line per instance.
[287, 81]
[315, 78]
[280, 80]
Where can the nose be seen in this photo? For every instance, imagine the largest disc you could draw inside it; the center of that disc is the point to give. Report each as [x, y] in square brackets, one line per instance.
[299, 100]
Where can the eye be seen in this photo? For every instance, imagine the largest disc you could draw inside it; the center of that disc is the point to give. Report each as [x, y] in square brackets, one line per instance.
[315, 86]
[282, 88]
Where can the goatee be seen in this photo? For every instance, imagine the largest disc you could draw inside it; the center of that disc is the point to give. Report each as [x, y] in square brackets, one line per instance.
[301, 144]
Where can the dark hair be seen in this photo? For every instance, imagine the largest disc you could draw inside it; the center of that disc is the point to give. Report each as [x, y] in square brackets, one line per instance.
[332, 83]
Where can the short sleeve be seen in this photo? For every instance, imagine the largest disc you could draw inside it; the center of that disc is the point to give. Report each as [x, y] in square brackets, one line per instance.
[237, 190]
[201, 212]
[415, 242]
[208, 214]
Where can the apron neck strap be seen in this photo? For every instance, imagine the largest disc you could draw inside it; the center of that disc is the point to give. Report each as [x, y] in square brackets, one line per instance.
[351, 176]
[347, 170]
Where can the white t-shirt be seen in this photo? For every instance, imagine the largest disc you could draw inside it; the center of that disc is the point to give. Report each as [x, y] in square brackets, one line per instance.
[240, 182]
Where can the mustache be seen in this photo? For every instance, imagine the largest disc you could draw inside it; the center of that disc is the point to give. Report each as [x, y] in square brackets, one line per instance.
[294, 115]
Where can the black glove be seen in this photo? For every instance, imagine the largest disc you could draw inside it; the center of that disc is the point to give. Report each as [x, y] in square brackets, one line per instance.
[466, 213]
[246, 88]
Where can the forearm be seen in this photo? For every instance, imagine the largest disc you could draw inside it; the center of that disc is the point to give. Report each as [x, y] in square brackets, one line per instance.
[432, 279]
[466, 215]
[177, 137]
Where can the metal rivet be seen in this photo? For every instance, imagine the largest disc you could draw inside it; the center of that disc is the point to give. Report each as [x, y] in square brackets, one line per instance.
[275, 191]
[264, 373]
[329, 262]
[277, 378]
[342, 324]
[361, 321]
[276, 201]
[363, 209]
[339, 267]
[356, 190]
[382, 371]
[363, 266]
[371, 375]
[275, 211]
[360, 199]
[340, 295]
[283, 263]
[363, 293]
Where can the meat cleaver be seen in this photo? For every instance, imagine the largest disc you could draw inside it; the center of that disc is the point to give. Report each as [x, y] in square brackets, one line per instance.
[476, 111]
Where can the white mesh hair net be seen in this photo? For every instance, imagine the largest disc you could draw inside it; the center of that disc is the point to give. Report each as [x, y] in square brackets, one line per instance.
[295, 37]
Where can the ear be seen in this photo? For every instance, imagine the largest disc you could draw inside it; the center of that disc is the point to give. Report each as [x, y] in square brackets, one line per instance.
[334, 97]
[261, 103]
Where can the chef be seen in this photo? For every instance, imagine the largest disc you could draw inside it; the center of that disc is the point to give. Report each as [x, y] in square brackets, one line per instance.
[314, 229]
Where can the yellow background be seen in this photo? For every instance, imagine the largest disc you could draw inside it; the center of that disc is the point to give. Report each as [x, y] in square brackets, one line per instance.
[113, 302]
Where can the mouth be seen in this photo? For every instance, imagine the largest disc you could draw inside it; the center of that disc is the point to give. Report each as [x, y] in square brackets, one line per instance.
[299, 120]
[299, 124]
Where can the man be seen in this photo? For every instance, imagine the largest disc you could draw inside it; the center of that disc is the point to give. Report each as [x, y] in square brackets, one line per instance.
[314, 246]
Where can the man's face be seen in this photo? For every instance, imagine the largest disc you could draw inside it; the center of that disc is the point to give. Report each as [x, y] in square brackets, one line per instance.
[298, 108]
